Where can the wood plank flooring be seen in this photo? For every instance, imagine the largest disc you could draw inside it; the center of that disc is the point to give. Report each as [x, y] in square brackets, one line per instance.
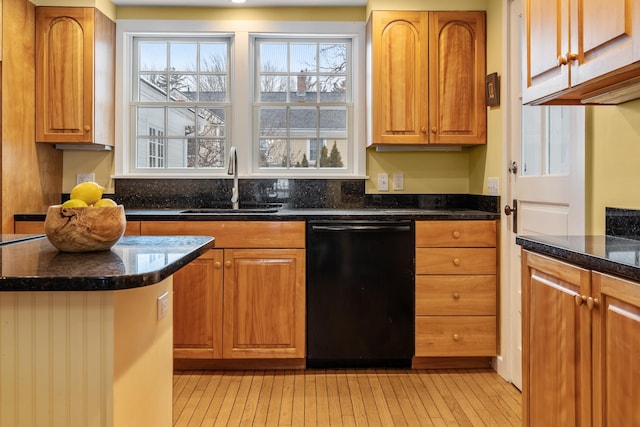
[368, 397]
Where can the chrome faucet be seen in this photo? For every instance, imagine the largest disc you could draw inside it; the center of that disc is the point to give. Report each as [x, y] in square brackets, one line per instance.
[233, 170]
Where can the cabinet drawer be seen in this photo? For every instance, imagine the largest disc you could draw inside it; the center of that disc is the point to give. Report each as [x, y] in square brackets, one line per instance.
[455, 336]
[235, 234]
[456, 295]
[455, 233]
[455, 261]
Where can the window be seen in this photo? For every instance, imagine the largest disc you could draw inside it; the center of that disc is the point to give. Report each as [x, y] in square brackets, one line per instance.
[302, 102]
[179, 100]
[285, 94]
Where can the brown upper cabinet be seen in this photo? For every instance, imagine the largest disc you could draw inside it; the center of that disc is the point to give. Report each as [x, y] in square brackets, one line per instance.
[580, 51]
[75, 76]
[427, 72]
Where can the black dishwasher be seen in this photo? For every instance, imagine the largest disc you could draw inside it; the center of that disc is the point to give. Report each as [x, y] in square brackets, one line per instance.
[360, 293]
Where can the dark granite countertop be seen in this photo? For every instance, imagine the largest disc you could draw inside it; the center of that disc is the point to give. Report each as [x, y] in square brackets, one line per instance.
[297, 214]
[35, 265]
[607, 254]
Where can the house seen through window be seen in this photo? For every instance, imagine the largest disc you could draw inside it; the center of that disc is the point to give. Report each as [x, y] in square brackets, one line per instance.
[285, 100]
[303, 102]
[180, 103]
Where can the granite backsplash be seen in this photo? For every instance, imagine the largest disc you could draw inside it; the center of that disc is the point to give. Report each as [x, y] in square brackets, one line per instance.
[622, 223]
[295, 193]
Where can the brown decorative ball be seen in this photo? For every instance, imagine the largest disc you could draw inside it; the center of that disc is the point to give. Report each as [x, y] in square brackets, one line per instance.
[84, 229]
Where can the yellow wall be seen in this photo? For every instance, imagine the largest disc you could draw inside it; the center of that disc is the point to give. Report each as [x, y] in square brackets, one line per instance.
[613, 161]
[424, 172]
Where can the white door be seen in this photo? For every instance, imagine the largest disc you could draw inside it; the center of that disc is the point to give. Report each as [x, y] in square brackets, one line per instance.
[545, 158]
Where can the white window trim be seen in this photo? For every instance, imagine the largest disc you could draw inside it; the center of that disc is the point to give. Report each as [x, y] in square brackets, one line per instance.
[240, 87]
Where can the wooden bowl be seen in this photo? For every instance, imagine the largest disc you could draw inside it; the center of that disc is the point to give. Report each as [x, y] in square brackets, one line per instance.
[86, 229]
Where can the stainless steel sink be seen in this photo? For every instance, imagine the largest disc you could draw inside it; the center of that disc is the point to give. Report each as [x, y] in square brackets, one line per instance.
[270, 208]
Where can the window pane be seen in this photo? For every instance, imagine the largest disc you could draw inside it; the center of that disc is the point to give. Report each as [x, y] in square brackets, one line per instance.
[182, 87]
[150, 118]
[273, 122]
[213, 57]
[210, 153]
[150, 152]
[333, 89]
[152, 56]
[211, 122]
[303, 58]
[558, 145]
[333, 154]
[183, 56]
[273, 57]
[273, 152]
[303, 123]
[273, 88]
[532, 136]
[333, 122]
[152, 88]
[303, 88]
[181, 122]
[213, 88]
[333, 58]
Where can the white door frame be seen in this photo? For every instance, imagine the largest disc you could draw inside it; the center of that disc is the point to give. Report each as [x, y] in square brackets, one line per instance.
[539, 195]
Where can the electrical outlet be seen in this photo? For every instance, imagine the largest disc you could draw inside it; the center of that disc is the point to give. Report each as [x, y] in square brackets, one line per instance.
[383, 182]
[398, 181]
[85, 177]
[493, 186]
[163, 305]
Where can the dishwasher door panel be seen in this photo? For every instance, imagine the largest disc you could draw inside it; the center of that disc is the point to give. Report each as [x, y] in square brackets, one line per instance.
[360, 294]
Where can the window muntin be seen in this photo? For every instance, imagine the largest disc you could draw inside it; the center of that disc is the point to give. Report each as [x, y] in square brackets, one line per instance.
[303, 103]
[180, 90]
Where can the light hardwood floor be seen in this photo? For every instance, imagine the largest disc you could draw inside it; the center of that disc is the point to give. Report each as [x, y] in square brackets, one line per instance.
[369, 397]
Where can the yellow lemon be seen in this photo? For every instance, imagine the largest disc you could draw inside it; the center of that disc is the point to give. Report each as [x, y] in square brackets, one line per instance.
[88, 191]
[75, 203]
[105, 202]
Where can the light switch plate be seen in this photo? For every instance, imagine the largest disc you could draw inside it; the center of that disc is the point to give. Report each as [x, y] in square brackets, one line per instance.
[493, 186]
[163, 305]
[383, 182]
[85, 177]
[398, 181]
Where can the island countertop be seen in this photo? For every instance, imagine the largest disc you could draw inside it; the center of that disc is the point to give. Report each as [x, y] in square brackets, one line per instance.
[33, 264]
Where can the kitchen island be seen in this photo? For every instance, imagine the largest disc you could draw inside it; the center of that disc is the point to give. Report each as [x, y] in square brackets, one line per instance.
[86, 338]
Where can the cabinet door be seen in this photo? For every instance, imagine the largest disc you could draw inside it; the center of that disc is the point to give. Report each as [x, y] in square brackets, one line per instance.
[197, 308]
[602, 37]
[264, 303]
[556, 345]
[457, 70]
[399, 81]
[616, 346]
[546, 44]
[64, 74]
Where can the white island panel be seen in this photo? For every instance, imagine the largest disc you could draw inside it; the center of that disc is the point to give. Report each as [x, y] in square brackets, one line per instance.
[86, 358]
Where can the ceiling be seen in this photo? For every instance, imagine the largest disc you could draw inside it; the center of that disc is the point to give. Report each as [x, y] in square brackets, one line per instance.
[249, 3]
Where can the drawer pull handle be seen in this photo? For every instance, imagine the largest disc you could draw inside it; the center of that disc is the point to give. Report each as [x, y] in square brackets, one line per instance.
[580, 299]
[456, 234]
[227, 264]
[456, 296]
[592, 302]
[217, 264]
[456, 261]
[456, 337]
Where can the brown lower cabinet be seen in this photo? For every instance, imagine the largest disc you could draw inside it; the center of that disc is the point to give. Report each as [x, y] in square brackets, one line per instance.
[581, 344]
[245, 300]
[456, 292]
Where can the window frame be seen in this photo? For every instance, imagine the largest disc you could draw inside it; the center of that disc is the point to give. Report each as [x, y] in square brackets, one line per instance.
[242, 130]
